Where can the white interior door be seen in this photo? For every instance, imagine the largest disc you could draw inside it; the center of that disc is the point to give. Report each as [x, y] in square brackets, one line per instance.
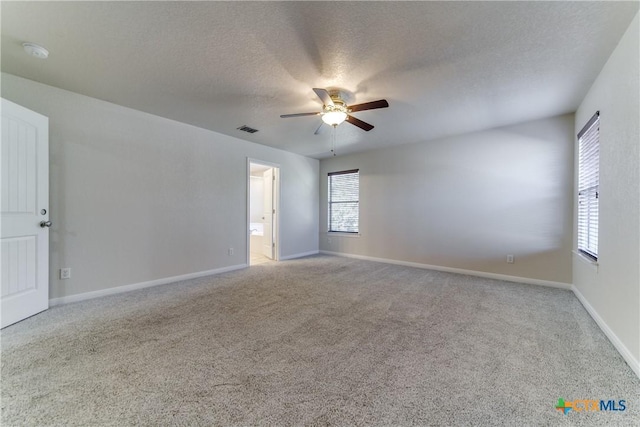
[267, 215]
[24, 211]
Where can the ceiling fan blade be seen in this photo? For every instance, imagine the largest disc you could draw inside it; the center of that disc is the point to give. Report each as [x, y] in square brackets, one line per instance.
[382, 103]
[320, 129]
[285, 116]
[324, 96]
[357, 122]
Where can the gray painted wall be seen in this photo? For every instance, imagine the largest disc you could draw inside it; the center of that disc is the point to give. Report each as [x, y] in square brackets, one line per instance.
[467, 201]
[613, 288]
[136, 197]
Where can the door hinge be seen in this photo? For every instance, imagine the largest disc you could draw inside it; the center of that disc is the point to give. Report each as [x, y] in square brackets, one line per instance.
[274, 211]
[273, 245]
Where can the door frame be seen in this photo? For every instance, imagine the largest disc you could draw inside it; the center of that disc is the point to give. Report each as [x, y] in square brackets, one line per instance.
[276, 207]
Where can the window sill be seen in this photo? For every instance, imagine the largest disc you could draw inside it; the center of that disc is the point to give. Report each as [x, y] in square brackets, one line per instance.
[585, 259]
[341, 234]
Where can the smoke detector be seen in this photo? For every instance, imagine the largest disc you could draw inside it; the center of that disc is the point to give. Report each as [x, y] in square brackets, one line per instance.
[35, 50]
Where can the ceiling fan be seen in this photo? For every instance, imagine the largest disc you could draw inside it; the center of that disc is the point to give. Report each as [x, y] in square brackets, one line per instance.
[335, 110]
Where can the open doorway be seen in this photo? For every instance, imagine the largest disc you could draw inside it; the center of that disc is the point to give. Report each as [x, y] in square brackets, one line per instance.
[262, 219]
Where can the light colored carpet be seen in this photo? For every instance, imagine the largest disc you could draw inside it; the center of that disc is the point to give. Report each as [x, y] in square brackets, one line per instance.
[316, 341]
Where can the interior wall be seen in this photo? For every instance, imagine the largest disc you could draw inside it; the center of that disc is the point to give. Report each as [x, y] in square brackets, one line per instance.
[136, 197]
[613, 288]
[467, 201]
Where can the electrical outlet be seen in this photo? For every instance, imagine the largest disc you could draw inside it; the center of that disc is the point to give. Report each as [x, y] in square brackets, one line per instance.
[230, 252]
[510, 259]
[65, 273]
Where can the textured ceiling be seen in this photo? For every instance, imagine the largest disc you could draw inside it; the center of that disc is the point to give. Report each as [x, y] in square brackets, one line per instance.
[445, 67]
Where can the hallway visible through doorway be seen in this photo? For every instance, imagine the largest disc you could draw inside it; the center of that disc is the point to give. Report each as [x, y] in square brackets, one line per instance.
[263, 186]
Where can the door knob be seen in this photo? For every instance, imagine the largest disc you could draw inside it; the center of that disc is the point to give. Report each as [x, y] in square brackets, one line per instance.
[44, 224]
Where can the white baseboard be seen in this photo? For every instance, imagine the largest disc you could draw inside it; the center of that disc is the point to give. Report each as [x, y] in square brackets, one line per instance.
[300, 255]
[484, 274]
[127, 288]
[622, 349]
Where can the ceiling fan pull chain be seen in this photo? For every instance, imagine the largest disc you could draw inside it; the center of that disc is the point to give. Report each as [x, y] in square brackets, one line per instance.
[333, 140]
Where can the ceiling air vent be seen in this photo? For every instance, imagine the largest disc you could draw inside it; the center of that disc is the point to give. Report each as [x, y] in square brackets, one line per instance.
[246, 128]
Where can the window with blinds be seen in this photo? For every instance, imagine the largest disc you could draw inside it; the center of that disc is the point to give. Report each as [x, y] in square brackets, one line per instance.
[588, 183]
[344, 192]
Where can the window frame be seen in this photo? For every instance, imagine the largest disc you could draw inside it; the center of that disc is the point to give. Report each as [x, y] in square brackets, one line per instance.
[330, 175]
[588, 184]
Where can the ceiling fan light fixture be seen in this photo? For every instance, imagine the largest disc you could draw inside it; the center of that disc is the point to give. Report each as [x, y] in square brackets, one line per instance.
[334, 118]
[334, 114]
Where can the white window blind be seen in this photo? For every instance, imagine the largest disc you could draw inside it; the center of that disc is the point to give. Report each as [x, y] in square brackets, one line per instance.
[344, 192]
[588, 183]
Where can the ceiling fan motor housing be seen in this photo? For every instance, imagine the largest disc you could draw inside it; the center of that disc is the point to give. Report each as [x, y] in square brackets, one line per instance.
[341, 96]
